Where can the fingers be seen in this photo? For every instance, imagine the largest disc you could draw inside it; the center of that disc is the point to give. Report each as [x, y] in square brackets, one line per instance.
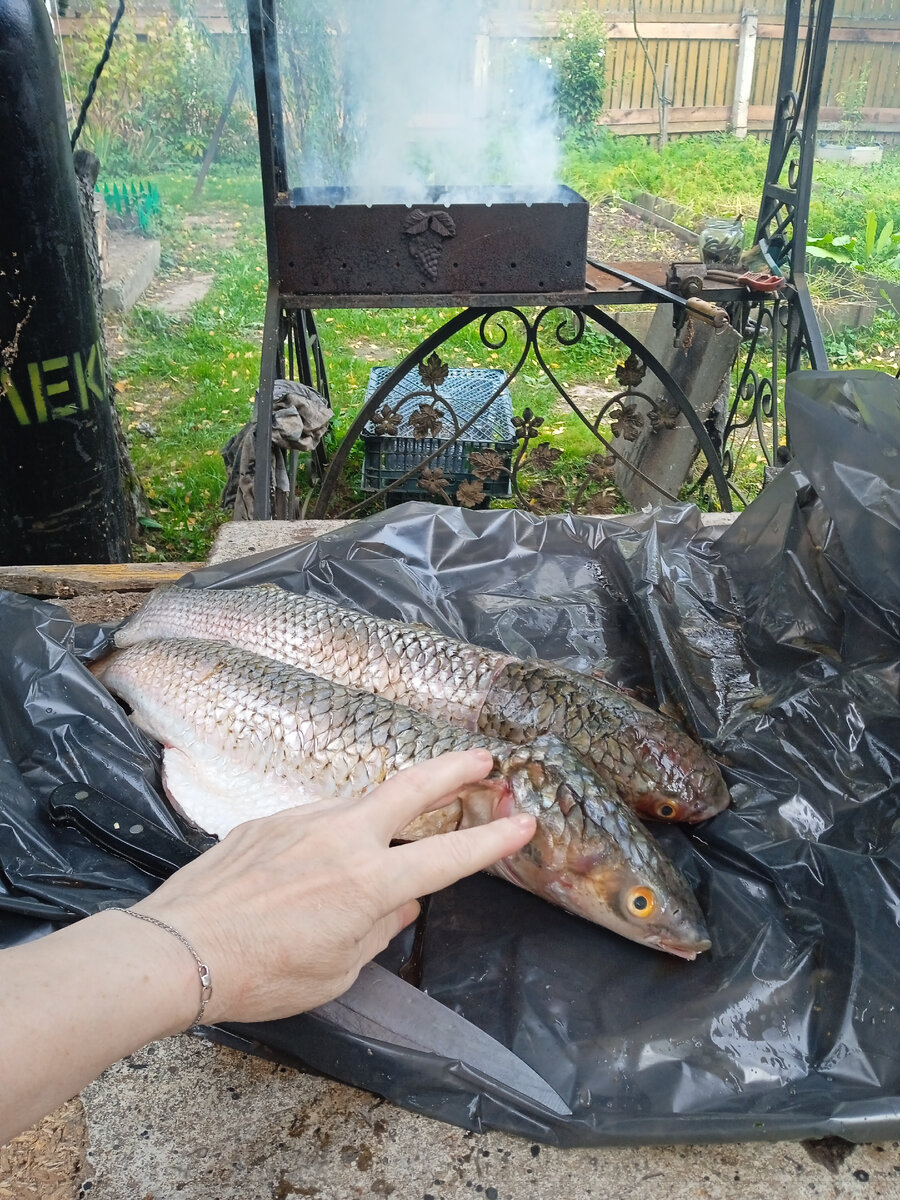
[436, 862]
[382, 932]
[426, 786]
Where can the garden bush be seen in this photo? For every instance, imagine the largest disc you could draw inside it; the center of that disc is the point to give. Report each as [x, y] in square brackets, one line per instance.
[161, 93]
[578, 59]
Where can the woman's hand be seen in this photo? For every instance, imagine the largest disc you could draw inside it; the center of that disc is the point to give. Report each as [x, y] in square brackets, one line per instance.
[284, 912]
[286, 909]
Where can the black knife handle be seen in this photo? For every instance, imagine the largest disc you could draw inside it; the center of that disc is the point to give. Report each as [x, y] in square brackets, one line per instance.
[115, 827]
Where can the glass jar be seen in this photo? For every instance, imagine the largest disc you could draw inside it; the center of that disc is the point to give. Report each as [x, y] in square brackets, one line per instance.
[722, 241]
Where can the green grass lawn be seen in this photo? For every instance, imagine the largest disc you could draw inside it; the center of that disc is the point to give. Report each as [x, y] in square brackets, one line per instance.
[191, 381]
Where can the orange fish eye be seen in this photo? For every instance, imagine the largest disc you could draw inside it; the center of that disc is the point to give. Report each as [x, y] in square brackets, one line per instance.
[666, 810]
[641, 902]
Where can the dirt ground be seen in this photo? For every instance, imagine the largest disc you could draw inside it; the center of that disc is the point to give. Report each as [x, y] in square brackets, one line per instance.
[616, 236]
[50, 1161]
[102, 607]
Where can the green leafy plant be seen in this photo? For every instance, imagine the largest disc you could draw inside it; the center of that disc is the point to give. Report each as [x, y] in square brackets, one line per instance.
[876, 247]
[850, 100]
[578, 58]
[161, 93]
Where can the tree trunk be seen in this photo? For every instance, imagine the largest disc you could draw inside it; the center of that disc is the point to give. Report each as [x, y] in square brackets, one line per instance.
[87, 166]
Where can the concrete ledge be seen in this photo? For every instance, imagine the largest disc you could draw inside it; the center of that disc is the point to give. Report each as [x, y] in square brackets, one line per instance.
[130, 264]
[185, 1119]
[237, 539]
[851, 156]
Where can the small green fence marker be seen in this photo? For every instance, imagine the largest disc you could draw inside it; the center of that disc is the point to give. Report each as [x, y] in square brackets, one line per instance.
[134, 203]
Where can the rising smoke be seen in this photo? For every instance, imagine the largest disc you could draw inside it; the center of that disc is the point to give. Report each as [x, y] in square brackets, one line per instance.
[405, 96]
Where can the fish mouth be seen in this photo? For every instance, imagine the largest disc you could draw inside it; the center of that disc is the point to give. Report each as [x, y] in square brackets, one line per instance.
[686, 950]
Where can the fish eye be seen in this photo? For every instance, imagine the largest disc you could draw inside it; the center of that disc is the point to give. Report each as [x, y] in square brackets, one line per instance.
[641, 902]
[666, 810]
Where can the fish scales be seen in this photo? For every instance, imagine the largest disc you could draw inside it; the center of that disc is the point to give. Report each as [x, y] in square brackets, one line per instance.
[392, 659]
[642, 755]
[244, 735]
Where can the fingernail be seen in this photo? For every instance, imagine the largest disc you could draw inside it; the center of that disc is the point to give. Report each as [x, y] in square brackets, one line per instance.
[483, 755]
[524, 821]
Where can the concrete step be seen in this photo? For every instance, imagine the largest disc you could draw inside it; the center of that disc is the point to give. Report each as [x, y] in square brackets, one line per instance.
[129, 265]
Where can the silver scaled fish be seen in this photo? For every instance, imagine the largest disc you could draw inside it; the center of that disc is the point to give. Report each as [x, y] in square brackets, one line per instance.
[244, 736]
[643, 756]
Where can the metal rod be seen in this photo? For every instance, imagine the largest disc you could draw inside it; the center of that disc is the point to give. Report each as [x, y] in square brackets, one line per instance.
[706, 311]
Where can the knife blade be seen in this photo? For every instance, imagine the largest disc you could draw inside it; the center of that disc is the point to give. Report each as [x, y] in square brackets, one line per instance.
[379, 1005]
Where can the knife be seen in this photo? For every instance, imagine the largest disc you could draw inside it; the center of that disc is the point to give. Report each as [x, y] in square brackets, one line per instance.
[378, 1005]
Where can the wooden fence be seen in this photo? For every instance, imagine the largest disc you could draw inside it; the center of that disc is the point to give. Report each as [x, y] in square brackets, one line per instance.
[723, 62]
[722, 59]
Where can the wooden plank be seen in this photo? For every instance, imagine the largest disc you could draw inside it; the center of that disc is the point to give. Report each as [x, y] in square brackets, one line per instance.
[713, 115]
[877, 91]
[237, 539]
[61, 582]
[699, 119]
[658, 52]
[705, 26]
[673, 31]
[875, 120]
[713, 68]
[615, 75]
[701, 63]
[635, 75]
[885, 33]
[74, 25]
[884, 76]
[872, 117]
[765, 84]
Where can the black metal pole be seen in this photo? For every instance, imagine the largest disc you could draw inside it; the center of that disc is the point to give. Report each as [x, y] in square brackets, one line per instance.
[61, 496]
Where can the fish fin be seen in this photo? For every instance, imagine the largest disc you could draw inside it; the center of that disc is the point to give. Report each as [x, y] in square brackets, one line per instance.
[441, 820]
[484, 801]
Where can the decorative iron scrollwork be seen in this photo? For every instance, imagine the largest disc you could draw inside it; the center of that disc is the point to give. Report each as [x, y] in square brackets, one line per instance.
[541, 477]
[780, 330]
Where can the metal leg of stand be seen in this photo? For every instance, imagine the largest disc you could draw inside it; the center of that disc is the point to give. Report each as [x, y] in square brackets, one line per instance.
[268, 367]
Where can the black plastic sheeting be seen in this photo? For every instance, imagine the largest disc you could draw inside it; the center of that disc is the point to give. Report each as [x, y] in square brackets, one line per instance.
[780, 642]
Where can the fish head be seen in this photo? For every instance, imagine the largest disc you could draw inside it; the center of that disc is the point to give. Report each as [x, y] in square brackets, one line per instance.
[680, 783]
[637, 904]
[591, 856]
[645, 908]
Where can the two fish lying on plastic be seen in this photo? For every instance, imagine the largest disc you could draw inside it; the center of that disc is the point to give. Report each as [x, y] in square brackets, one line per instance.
[263, 699]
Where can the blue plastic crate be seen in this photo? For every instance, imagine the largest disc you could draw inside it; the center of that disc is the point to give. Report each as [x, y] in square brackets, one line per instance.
[388, 458]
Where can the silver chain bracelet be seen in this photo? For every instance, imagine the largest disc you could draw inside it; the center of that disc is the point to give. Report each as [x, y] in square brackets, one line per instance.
[202, 968]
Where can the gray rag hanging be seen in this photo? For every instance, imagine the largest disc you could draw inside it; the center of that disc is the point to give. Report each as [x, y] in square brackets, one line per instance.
[300, 417]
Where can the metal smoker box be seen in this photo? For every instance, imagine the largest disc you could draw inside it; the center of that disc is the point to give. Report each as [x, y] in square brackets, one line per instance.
[332, 244]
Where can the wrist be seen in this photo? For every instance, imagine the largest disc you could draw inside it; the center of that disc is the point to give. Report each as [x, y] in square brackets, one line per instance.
[162, 974]
[203, 973]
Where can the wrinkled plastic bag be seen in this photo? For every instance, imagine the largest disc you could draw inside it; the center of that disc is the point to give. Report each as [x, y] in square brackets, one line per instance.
[779, 642]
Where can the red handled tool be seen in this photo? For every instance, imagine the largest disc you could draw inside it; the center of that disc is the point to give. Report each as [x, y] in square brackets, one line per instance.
[757, 281]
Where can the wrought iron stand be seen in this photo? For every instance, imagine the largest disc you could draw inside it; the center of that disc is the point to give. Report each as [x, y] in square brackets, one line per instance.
[777, 330]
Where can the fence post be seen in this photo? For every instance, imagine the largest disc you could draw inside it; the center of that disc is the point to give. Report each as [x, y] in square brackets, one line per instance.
[665, 101]
[744, 77]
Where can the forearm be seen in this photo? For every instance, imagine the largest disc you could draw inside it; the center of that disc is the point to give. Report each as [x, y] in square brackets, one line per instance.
[78, 1000]
[284, 911]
